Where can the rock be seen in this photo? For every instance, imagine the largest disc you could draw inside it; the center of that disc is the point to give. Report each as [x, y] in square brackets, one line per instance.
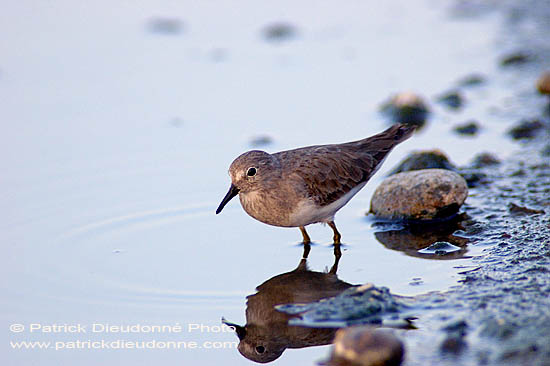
[428, 159]
[452, 99]
[162, 25]
[261, 140]
[365, 304]
[526, 129]
[485, 159]
[458, 327]
[278, 32]
[419, 195]
[543, 83]
[515, 59]
[473, 177]
[521, 210]
[406, 107]
[470, 128]
[474, 173]
[472, 80]
[366, 346]
[453, 344]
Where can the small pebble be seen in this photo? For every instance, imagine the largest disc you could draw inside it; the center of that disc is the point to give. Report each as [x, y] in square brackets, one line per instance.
[521, 210]
[168, 26]
[526, 129]
[452, 99]
[365, 346]
[453, 344]
[278, 32]
[515, 58]
[406, 107]
[473, 177]
[543, 83]
[470, 128]
[261, 140]
[485, 159]
[472, 80]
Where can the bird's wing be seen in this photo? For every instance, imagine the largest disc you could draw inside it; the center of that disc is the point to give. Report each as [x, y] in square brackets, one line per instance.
[328, 171]
[331, 171]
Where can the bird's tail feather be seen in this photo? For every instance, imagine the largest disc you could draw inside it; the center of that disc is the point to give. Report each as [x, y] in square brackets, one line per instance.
[381, 144]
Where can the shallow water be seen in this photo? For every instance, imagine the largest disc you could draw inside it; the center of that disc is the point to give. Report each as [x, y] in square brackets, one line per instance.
[116, 142]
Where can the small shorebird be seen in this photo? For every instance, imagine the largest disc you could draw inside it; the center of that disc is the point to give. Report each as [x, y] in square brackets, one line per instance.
[295, 188]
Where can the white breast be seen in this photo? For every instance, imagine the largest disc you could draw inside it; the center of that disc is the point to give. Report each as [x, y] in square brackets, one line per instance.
[307, 212]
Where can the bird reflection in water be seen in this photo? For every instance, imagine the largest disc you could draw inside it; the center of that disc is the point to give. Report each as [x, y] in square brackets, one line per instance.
[267, 334]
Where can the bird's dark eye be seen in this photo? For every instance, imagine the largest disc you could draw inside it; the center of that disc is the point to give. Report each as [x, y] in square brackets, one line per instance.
[251, 172]
[260, 349]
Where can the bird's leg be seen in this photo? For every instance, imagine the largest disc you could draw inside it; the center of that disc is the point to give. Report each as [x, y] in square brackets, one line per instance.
[337, 235]
[337, 256]
[307, 248]
[307, 240]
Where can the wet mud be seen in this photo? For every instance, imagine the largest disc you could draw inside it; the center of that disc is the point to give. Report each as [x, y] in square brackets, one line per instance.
[503, 304]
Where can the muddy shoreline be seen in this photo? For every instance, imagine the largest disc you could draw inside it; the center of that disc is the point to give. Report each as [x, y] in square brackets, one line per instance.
[500, 313]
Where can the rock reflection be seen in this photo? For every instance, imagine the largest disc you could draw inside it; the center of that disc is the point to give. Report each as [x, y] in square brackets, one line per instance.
[267, 333]
[434, 241]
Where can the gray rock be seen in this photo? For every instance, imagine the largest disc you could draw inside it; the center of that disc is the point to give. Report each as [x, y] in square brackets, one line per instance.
[452, 99]
[472, 80]
[474, 177]
[419, 195]
[365, 304]
[278, 32]
[526, 129]
[469, 128]
[427, 159]
[516, 58]
[165, 25]
[261, 140]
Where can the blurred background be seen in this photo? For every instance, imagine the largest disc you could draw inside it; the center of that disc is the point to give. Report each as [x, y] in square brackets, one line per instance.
[120, 120]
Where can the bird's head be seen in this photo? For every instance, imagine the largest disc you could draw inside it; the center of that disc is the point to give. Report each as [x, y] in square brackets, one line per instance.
[251, 171]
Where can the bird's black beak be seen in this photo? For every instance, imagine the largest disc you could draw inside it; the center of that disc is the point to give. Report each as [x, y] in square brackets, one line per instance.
[240, 330]
[233, 191]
